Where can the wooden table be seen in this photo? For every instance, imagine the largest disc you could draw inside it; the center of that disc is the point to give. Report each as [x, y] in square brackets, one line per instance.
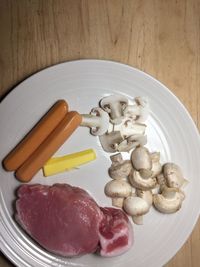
[159, 37]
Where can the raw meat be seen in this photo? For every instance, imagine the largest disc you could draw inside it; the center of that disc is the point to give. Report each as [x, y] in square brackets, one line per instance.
[115, 232]
[67, 221]
[61, 218]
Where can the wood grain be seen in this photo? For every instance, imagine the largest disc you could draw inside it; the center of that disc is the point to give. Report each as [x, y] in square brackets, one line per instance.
[159, 37]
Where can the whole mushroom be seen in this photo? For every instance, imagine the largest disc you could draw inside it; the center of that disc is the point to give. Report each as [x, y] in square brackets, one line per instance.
[169, 201]
[156, 165]
[136, 207]
[114, 105]
[173, 175]
[141, 160]
[120, 169]
[139, 182]
[117, 190]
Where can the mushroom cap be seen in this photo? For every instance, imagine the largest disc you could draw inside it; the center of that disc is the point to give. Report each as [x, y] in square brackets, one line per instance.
[117, 188]
[120, 170]
[138, 182]
[103, 121]
[135, 206]
[173, 175]
[141, 158]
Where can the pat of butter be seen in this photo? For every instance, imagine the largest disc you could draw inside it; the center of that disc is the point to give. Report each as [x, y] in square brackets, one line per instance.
[64, 163]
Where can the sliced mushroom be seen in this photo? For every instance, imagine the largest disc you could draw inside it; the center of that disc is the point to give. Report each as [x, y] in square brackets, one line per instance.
[173, 175]
[132, 142]
[136, 207]
[97, 120]
[139, 111]
[120, 169]
[114, 105]
[111, 141]
[128, 127]
[117, 190]
[139, 182]
[141, 158]
[169, 201]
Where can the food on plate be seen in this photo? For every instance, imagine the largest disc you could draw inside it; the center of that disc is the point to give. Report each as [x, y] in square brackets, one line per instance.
[173, 175]
[114, 106]
[120, 169]
[50, 145]
[60, 164]
[36, 136]
[169, 200]
[118, 190]
[115, 233]
[142, 181]
[126, 130]
[136, 207]
[97, 120]
[67, 221]
[139, 111]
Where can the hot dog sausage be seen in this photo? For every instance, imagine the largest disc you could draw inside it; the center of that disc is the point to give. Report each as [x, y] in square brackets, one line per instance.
[50, 145]
[36, 136]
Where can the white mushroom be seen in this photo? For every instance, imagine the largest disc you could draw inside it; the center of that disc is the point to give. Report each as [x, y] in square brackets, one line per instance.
[136, 207]
[128, 127]
[156, 165]
[169, 201]
[132, 142]
[139, 111]
[146, 195]
[97, 120]
[114, 105]
[120, 169]
[173, 175]
[117, 190]
[139, 182]
[141, 161]
[161, 180]
[111, 141]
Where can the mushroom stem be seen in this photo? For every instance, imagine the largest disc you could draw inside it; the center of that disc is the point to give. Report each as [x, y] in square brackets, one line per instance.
[129, 127]
[88, 120]
[118, 202]
[138, 219]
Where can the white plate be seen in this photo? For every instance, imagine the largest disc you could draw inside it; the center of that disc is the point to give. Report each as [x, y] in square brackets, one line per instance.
[170, 131]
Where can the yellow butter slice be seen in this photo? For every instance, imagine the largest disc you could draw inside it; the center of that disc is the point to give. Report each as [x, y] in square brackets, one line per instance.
[67, 162]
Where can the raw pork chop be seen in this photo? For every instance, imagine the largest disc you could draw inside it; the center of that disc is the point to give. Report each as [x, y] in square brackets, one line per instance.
[115, 232]
[66, 220]
[61, 218]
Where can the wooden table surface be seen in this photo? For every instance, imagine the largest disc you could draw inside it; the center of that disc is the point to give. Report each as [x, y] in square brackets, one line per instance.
[159, 37]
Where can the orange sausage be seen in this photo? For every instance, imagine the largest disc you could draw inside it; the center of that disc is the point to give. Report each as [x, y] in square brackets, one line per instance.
[36, 136]
[52, 143]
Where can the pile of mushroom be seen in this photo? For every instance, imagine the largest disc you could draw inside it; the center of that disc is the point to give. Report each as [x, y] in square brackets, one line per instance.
[119, 125]
[142, 181]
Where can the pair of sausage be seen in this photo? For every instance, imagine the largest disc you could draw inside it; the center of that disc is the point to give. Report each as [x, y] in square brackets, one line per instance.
[42, 141]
